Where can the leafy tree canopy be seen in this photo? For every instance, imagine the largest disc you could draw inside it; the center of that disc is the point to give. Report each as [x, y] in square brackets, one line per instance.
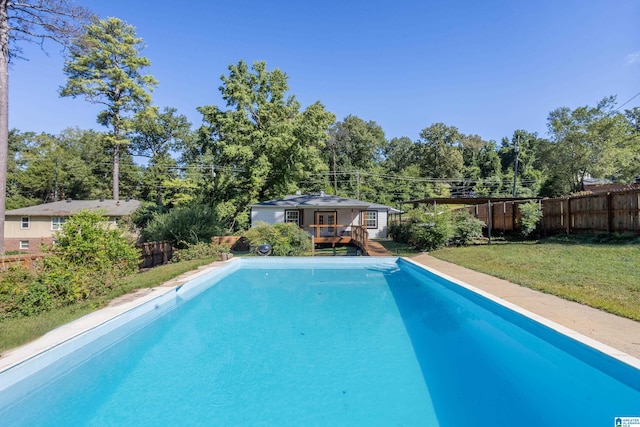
[262, 145]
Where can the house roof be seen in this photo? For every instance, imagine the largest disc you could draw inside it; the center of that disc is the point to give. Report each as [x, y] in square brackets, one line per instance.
[322, 201]
[71, 207]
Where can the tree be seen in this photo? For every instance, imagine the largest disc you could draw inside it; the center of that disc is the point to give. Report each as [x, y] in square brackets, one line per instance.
[155, 135]
[75, 164]
[19, 143]
[353, 146]
[526, 148]
[590, 141]
[262, 146]
[30, 21]
[399, 154]
[105, 66]
[441, 151]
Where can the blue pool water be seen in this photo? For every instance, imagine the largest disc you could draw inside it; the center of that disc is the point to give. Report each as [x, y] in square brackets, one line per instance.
[362, 342]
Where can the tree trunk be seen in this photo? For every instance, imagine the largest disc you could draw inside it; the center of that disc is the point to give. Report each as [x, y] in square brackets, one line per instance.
[4, 114]
[116, 171]
[116, 157]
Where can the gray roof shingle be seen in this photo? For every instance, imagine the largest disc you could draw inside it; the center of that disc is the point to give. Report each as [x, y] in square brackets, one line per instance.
[321, 200]
[68, 208]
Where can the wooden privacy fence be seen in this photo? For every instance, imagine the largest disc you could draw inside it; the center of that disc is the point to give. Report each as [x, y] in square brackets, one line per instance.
[27, 261]
[612, 212]
[505, 216]
[152, 254]
[234, 243]
[155, 253]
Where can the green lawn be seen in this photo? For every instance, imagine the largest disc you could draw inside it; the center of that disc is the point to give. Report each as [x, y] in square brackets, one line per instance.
[604, 276]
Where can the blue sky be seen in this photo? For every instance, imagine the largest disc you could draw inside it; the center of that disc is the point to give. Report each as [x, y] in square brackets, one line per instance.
[486, 67]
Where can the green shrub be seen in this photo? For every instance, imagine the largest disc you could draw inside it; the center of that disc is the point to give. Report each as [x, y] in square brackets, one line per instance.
[145, 213]
[467, 228]
[286, 239]
[400, 232]
[90, 257]
[531, 214]
[435, 232]
[431, 229]
[183, 226]
[21, 294]
[200, 250]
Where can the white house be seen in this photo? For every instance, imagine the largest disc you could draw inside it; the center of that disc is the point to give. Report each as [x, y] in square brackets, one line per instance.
[25, 229]
[330, 219]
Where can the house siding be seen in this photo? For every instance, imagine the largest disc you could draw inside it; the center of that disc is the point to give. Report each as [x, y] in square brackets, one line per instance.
[39, 226]
[39, 230]
[345, 217]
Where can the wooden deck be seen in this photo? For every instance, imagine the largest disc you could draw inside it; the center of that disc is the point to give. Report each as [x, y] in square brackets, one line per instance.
[376, 249]
[370, 249]
[333, 240]
[358, 237]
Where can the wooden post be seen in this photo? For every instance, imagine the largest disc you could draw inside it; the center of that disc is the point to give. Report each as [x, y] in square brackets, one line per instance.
[489, 219]
[569, 215]
[165, 253]
[609, 206]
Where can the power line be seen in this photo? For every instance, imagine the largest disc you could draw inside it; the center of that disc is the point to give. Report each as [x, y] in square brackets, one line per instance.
[628, 101]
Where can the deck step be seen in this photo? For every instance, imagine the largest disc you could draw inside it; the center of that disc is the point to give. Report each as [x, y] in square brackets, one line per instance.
[376, 249]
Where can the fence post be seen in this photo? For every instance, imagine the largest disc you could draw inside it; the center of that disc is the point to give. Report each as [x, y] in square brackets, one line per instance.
[165, 255]
[489, 220]
[609, 206]
[568, 215]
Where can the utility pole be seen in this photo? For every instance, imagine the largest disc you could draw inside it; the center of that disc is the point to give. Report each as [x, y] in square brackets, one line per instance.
[515, 167]
[55, 187]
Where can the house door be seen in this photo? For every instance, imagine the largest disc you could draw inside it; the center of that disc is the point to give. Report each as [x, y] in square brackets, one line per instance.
[326, 218]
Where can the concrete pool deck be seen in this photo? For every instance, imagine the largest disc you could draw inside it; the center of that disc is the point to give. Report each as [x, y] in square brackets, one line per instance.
[618, 332]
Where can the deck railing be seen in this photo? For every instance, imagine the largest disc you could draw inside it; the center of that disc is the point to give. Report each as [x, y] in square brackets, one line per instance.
[360, 236]
[318, 230]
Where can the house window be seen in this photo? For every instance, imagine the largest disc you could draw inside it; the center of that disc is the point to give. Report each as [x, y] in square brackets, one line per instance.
[24, 244]
[292, 216]
[56, 222]
[24, 223]
[371, 219]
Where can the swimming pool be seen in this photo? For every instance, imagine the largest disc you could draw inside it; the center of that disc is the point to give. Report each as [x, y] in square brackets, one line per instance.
[356, 341]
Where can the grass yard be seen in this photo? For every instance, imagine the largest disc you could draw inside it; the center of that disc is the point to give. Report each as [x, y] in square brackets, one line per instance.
[602, 275]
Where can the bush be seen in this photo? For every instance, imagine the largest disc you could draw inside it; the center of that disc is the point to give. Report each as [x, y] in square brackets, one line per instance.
[531, 214]
[286, 239]
[435, 232]
[400, 232]
[467, 228]
[90, 257]
[183, 226]
[21, 294]
[200, 250]
[145, 213]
